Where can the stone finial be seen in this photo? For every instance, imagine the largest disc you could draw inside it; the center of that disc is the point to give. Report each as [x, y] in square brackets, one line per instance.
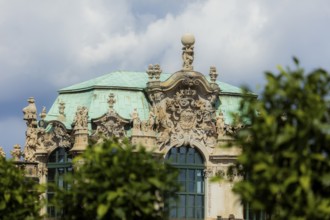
[111, 101]
[188, 41]
[30, 111]
[157, 71]
[2, 153]
[43, 113]
[16, 153]
[213, 74]
[61, 108]
[150, 72]
[154, 72]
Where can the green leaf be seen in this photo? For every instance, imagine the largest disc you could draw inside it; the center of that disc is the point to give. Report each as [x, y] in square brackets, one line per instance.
[111, 196]
[102, 209]
[305, 182]
[7, 197]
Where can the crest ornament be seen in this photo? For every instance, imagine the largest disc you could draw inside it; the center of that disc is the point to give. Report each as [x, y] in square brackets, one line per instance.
[110, 124]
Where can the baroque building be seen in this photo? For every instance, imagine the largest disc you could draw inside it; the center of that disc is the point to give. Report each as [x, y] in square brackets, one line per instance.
[185, 117]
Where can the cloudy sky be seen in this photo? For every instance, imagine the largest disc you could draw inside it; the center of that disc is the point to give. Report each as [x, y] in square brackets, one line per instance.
[48, 45]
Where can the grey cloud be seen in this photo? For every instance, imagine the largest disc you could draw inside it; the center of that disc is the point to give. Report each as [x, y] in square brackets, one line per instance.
[45, 45]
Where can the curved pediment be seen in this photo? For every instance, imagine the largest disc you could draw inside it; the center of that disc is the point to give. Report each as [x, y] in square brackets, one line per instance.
[56, 135]
[185, 109]
[190, 79]
[109, 125]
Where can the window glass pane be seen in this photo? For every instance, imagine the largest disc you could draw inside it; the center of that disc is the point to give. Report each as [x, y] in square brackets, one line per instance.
[199, 175]
[173, 150]
[191, 175]
[173, 213]
[172, 155]
[60, 180]
[182, 202]
[191, 186]
[182, 175]
[190, 212]
[182, 158]
[199, 213]
[190, 158]
[183, 186]
[181, 212]
[199, 187]
[199, 200]
[183, 150]
[51, 174]
[52, 157]
[198, 159]
[190, 200]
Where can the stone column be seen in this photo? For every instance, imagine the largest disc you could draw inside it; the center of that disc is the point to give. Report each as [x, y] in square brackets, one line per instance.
[41, 157]
[80, 128]
[30, 116]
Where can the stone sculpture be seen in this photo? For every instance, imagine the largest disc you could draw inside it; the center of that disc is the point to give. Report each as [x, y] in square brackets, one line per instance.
[30, 111]
[220, 125]
[30, 116]
[136, 120]
[16, 153]
[43, 113]
[188, 41]
[30, 142]
[61, 108]
[81, 118]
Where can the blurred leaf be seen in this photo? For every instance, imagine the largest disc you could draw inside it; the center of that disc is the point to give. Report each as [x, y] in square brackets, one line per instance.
[285, 152]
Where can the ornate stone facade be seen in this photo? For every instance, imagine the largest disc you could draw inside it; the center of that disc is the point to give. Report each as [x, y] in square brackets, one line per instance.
[169, 111]
[110, 124]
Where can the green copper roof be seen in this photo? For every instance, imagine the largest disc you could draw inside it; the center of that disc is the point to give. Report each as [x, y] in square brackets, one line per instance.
[128, 90]
[118, 79]
[131, 80]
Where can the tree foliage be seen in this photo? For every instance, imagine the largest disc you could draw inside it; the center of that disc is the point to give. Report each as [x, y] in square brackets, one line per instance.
[19, 196]
[117, 181]
[287, 146]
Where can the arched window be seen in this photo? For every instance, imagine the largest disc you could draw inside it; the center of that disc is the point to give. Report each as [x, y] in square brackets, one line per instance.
[59, 163]
[190, 163]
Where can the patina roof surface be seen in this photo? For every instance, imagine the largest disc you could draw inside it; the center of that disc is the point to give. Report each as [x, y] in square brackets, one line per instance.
[128, 88]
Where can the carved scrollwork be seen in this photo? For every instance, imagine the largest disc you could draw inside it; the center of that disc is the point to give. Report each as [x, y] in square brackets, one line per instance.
[186, 119]
[110, 125]
[190, 81]
[58, 136]
[55, 135]
[42, 170]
